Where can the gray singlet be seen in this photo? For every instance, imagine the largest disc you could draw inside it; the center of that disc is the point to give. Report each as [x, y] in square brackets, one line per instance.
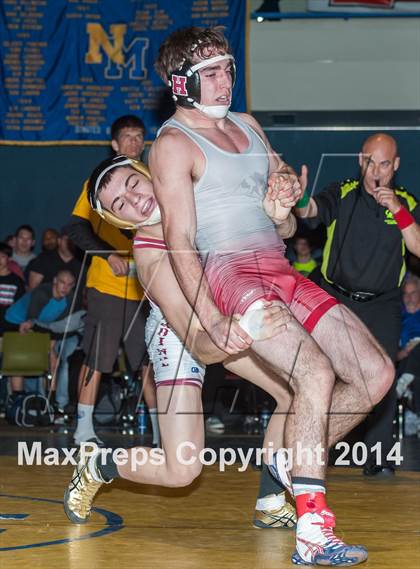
[229, 195]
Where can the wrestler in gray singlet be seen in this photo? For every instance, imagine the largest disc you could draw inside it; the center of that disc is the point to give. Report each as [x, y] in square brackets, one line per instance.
[229, 195]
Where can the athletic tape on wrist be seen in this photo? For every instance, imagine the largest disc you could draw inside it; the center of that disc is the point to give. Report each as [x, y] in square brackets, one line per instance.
[304, 200]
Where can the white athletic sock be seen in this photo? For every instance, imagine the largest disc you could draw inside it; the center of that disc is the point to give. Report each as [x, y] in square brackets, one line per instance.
[308, 486]
[155, 426]
[84, 421]
[271, 502]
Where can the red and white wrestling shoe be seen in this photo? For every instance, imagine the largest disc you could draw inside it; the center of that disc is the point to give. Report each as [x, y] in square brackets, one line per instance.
[316, 543]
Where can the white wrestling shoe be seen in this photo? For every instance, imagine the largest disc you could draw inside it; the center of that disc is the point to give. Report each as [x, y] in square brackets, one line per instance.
[316, 543]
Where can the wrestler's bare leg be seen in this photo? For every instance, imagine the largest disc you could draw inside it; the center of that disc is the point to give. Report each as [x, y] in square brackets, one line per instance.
[297, 356]
[364, 374]
[149, 393]
[148, 386]
[365, 371]
[312, 378]
[180, 422]
[248, 366]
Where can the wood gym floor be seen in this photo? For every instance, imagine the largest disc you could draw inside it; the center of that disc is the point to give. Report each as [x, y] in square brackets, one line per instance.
[206, 526]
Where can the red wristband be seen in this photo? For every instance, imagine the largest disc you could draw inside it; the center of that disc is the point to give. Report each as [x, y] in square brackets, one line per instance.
[403, 218]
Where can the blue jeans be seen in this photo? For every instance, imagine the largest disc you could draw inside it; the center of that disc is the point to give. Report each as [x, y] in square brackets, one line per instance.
[62, 381]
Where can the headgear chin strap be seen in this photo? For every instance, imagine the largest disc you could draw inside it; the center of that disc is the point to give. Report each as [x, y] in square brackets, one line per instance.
[154, 218]
[213, 111]
[186, 86]
[93, 192]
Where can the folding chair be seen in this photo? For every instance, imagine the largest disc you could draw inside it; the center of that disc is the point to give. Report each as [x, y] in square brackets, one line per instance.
[26, 355]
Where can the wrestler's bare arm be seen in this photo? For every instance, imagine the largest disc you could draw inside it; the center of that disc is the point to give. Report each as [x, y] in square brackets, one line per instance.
[174, 162]
[288, 227]
[158, 280]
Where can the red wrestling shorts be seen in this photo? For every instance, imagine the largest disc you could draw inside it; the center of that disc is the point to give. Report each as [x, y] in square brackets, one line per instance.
[237, 280]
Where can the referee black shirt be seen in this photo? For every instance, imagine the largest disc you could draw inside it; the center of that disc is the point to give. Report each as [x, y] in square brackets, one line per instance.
[364, 250]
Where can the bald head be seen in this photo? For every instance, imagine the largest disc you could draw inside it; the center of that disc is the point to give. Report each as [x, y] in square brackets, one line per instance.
[378, 161]
[380, 140]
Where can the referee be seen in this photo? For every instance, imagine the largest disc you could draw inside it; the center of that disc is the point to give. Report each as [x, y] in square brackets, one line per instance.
[370, 225]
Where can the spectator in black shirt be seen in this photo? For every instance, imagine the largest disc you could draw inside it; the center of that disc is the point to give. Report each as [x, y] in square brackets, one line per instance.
[50, 239]
[12, 288]
[48, 263]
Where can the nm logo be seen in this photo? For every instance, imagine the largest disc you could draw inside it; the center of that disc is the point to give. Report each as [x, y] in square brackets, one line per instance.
[120, 56]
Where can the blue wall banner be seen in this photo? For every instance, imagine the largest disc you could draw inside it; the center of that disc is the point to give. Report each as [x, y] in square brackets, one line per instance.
[71, 67]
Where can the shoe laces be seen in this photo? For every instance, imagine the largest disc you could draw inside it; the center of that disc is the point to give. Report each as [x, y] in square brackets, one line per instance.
[85, 490]
[326, 527]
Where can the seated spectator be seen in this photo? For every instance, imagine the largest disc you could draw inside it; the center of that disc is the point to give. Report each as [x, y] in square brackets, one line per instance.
[11, 289]
[70, 330]
[47, 303]
[23, 245]
[11, 286]
[304, 262]
[49, 239]
[48, 263]
[15, 269]
[409, 355]
[413, 264]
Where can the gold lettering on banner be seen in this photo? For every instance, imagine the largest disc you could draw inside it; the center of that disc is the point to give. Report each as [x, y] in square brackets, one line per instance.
[99, 39]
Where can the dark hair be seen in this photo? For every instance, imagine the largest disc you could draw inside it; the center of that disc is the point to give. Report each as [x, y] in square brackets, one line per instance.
[6, 249]
[126, 121]
[65, 272]
[51, 230]
[26, 228]
[184, 43]
[303, 235]
[94, 191]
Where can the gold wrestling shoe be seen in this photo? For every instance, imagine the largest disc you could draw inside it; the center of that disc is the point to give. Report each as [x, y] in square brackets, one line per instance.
[283, 517]
[81, 491]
